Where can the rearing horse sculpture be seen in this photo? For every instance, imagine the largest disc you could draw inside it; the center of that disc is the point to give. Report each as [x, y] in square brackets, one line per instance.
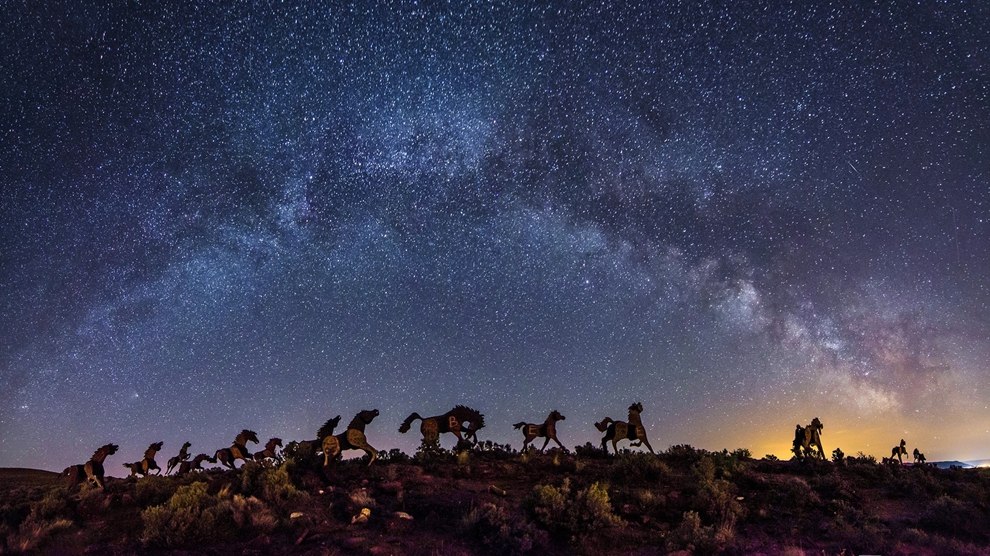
[351, 439]
[619, 430]
[806, 437]
[174, 461]
[145, 466]
[452, 421]
[899, 451]
[548, 429]
[92, 470]
[238, 451]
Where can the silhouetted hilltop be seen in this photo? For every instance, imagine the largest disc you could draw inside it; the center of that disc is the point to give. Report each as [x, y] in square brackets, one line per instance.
[493, 500]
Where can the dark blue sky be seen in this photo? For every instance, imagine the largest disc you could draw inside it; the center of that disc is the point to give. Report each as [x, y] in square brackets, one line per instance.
[219, 216]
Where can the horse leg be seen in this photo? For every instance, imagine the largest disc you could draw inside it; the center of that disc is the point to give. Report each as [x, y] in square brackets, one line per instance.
[547, 441]
[558, 443]
[371, 452]
[647, 442]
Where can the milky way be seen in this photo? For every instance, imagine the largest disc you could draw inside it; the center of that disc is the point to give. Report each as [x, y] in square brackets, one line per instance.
[256, 215]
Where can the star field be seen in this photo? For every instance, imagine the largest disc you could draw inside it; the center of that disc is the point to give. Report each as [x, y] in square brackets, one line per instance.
[219, 216]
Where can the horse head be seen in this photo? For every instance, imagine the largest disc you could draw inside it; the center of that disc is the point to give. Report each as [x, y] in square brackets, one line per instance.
[636, 408]
[817, 424]
[368, 415]
[185, 446]
[556, 416]
[103, 451]
[327, 428]
[245, 437]
[272, 443]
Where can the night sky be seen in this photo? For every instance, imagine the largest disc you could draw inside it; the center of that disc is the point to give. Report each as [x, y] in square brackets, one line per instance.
[219, 216]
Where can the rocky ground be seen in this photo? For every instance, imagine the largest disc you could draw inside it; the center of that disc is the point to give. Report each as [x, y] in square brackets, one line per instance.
[497, 501]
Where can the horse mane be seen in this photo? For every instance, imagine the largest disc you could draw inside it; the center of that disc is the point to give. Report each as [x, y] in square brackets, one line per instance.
[104, 451]
[634, 411]
[464, 413]
[272, 443]
[242, 439]
[327, 428]
[152, 450]
[362, 419]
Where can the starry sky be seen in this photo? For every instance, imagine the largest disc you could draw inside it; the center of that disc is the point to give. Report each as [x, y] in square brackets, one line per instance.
[227, 215]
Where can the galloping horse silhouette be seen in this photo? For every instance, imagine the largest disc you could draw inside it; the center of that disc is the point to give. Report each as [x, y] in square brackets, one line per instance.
[92, 470]
[452, 421]
[145, 466]
[195, 465]
[619, 430]
[548, 429]
[229, 456]
[176, 460]
[270, 451]
[351, 439]
[806, 437]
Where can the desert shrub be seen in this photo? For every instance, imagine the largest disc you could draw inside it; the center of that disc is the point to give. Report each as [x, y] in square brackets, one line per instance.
[718, 499]
[692, 536]
[272, 485]
[771, 457]
[35, 531]
[394, 455]
[955, 518]
[52, 505]
[590, 451]
[562, 510]
[361, 499]
[248, 513]
[549, 505]
[838, 456]
[190, 516]
[432, 453]
[729, 463]
[639, 466]
[684, 452]
[794, 493]
[502, 531]
[153, 490]
[704, 469]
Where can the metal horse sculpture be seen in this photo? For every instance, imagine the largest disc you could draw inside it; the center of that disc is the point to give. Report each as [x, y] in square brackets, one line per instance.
[548, 429]
[229, 456]
[92, 470]
[452, 421]
[806, 437]
[919, 458]
[145, 466]
[270, 451]
[174, 461]
[195, 465]
[351, 439]
[304, 451]
[619, 430]
[898, 451]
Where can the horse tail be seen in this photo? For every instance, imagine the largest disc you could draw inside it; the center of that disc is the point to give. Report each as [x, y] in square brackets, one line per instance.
[603, 425]
[404, 427]
[519, 425]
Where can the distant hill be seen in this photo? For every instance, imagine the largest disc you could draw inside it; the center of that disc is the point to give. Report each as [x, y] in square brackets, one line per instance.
[948, 464]
[12, 477]
[979, 462]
